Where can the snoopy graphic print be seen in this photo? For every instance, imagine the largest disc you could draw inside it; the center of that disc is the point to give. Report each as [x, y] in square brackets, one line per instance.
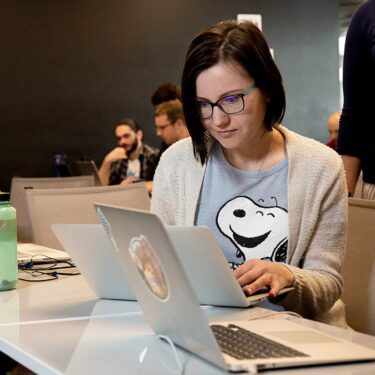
[255, 230]
[248, 212]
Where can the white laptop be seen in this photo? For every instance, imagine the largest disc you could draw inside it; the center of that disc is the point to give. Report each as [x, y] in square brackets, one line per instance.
[27, 252]
[93, 254]
[88, 167]
[170, 306]
[207, 268]
[204, 262]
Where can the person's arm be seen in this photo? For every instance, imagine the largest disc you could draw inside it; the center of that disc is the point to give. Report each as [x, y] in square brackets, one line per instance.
[161, 202]
[104, 172]
[116, 154]
[177, 183]
[318, 277]
[317, 234]
[256, 274]
[149, 185]
[354, 121]
[132, 179]
[352, 167]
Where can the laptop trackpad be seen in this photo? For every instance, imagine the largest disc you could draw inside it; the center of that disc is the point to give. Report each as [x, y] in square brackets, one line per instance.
[302, 337]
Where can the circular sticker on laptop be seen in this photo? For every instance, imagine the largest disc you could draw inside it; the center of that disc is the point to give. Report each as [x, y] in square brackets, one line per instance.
[149, 266]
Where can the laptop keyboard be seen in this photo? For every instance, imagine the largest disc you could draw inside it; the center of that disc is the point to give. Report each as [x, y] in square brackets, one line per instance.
[243, 344]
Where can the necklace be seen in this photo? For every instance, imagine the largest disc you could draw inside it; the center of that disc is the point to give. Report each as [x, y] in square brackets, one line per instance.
[228, 157]
[266, 154]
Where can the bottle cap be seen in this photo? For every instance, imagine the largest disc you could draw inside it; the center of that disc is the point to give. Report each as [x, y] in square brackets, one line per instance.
[4, 197]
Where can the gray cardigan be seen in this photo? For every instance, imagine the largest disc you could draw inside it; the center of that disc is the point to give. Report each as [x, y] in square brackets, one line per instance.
[317, 207]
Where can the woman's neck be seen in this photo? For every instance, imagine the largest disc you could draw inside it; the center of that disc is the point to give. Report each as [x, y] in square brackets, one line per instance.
[267, 151]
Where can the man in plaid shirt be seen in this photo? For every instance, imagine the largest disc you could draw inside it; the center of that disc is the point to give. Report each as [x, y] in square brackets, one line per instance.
[132, 159]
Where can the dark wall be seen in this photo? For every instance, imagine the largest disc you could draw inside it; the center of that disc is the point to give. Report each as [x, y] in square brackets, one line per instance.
[70, 69]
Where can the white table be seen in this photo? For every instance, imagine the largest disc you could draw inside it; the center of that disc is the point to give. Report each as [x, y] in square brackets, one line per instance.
[66, 297]
[61, 328]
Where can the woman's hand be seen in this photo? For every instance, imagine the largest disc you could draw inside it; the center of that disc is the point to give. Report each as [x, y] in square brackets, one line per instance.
[256, 274]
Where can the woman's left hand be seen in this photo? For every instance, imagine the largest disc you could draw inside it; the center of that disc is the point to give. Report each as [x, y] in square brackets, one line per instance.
[256, 274]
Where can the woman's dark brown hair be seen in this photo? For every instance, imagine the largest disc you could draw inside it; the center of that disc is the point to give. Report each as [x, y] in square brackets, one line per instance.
[230, 41]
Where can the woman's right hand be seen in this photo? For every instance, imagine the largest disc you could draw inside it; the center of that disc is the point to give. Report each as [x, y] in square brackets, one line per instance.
[256, 274]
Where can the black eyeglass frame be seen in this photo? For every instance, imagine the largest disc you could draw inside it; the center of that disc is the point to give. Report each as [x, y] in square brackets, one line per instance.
[217, 103]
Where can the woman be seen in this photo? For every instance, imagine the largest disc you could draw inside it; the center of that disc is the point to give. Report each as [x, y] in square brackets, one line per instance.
[276, 201]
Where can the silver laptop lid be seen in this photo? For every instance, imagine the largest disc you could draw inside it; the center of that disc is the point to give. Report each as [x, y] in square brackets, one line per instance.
[159, 280]
[92, 252]
[208, 270]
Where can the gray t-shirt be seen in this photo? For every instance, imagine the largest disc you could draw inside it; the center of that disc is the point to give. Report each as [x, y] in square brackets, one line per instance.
[246, 211]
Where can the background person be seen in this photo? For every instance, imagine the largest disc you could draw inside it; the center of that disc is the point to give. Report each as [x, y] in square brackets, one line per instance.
[333, 129]
[276, 201]
[165, 92]
[170, 122]
[132, 159]
[356, 139]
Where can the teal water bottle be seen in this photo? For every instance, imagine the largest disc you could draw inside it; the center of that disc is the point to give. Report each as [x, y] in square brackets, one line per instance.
[8, 244]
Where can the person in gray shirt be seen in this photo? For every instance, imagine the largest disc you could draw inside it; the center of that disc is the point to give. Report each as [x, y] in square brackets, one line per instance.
[277, 201]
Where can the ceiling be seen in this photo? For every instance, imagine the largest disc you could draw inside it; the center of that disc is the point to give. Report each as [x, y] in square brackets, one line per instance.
[346, 9]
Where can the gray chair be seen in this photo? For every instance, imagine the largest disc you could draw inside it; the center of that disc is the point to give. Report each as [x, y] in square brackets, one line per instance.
[359, 266]
[358, 188]
[18, 197]
[76, 206]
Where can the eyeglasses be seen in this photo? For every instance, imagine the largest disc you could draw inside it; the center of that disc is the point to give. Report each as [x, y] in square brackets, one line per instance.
[230, 104]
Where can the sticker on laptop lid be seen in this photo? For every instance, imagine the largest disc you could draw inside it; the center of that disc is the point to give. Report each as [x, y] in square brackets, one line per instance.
[149, 266]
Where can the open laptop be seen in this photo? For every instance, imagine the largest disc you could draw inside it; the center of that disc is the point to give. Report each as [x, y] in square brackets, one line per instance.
[204, 262]
[27, 252]
[92, 252]
[170, 306]
[207, 268]
[88, 167]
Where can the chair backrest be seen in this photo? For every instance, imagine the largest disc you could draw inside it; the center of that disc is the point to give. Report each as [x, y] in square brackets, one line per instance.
[358, 188]
[18, 197]
[76, 206]
[359, 266]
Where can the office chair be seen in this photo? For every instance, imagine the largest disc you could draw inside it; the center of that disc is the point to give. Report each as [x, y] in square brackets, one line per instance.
[76, 206]
[359, 266]
[358, 188]
[18, 197]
